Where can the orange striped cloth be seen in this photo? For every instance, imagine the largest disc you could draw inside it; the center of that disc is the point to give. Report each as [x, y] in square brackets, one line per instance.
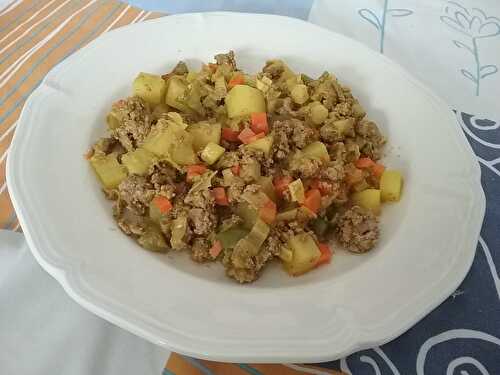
[35, 35]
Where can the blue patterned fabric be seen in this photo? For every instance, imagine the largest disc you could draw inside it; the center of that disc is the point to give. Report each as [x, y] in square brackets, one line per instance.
[454, 47]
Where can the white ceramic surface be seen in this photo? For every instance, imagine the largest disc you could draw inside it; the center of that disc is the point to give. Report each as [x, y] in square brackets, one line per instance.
[428, 239]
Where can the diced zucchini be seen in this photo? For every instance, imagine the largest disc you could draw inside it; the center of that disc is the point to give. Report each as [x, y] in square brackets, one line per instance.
[250, 244]
[305, 254]
[212, 152]
[247, 213]
[149, 87]
[316, 150]
[264, 144]
[176, 89]
[250, 171]
[391, 183]
[267, 186]
[203, 133]
[108, 169]
[242, 100]
[369, 199]
[296, 189]
[179, 228]
[288, 215]
[230, 237]
[138, 161]
[153, 240]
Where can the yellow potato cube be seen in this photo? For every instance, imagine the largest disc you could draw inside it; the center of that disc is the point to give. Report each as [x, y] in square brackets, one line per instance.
[369, 199]
[242, 100]
[305, 254]
[264, 144]
[149, 87]
[317, 150]
[176, 90]
[108, 169]
[203, 133]
[391, 183]
[138, 161]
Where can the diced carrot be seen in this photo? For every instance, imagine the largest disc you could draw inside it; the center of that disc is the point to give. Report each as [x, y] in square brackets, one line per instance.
[215, 249]
[162, 203]
[256, 137]
[378, 169]
[313, 200]
[238, 79]
[259, 122]
[230, 135]
[364, 163]
[324, 187]
[326, 254]
[246, 136]
[236, 169]
[268, 212]
[220, 196]
[281, 184]
[195, 170]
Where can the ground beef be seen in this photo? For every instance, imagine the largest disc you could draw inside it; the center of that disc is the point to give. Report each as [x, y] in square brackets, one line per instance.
[229, 159]
[226, 58]
[242, 275]
[302, 135]
[202, 221]
[369, 139]
[201, 199]
[333, 172]
[304, 167]
[162, 177]
[131, 223]
[134, 116]
[358, 229]
[200, 250]
[137, 192]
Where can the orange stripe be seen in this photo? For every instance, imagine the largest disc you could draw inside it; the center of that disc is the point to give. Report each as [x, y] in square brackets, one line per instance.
[6, 210]
[18, 49]
[18, 30]
[15, 12]
[179, 366]
[220, 368]
[127, 18]
[33, 77]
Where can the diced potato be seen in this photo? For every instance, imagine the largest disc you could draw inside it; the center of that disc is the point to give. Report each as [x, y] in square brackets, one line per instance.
[242, 100]
[296, 189]
[153, 240]
[391, 183]
[169, 139]
[191, 76]
[344, 126]
[305, 254]
[176, 89]
[160, 138]
[316, 150]
[149, 87]
[369, 199]
[358, 111]
[181, 150]
[108, 169]
[203, 133]
[264, 144]
[318, 113]
[113, 120]
[286, 254]
[212, 152]
[267, 186]
[229, 238]
[192, 98]
[138, 161]
[299, 94]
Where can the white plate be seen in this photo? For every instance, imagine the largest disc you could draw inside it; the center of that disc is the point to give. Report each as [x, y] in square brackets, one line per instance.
[428, 239]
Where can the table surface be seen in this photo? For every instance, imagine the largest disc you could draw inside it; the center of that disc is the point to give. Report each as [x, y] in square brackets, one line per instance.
[443, 43]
